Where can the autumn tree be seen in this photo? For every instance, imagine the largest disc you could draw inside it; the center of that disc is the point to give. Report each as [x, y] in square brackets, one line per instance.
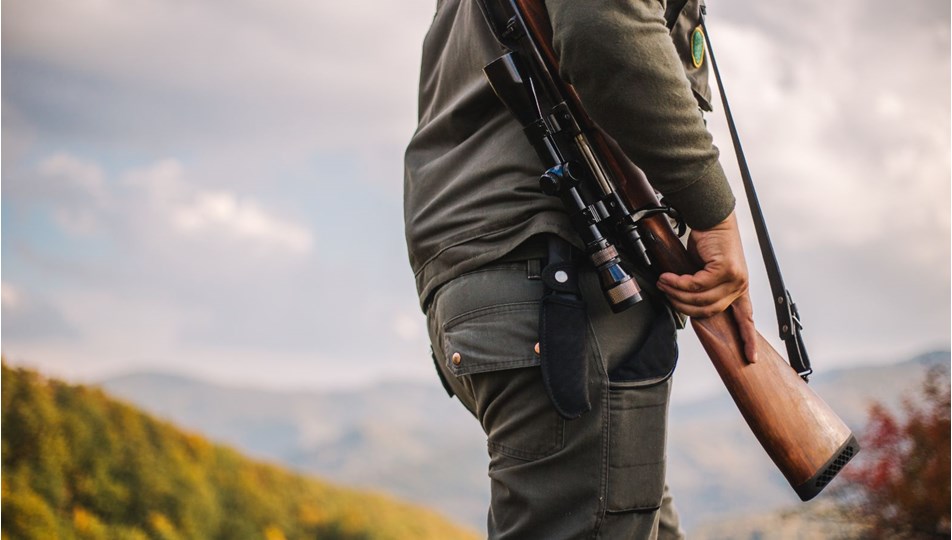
[79, 466]
[900, 487]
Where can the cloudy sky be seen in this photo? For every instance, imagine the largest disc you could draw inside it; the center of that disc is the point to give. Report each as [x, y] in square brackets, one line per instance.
[214, 188]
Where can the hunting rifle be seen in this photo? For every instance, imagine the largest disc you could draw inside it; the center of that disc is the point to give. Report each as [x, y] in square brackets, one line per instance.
[610, 200]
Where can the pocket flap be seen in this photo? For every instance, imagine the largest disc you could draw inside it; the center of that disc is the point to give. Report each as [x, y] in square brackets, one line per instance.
[493, 338]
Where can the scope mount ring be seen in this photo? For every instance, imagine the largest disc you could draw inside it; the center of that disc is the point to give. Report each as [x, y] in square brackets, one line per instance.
[681, 228]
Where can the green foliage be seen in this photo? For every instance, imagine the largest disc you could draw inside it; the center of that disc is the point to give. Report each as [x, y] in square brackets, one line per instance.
[79, 465]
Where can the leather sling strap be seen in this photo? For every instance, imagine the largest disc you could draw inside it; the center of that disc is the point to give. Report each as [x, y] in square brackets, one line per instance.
[788, 318]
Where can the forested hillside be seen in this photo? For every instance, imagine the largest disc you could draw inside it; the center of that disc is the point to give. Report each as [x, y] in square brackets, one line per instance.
[77, 464]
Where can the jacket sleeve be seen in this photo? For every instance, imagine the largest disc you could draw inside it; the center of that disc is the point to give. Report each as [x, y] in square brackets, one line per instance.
[620, 59]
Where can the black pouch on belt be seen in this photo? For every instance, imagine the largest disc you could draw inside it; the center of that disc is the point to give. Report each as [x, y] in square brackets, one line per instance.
[563, 333]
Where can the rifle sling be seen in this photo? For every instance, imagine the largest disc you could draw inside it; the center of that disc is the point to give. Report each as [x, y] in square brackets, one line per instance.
[788, 318]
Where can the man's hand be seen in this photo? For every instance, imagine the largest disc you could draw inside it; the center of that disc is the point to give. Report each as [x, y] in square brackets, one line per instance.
[722, 283]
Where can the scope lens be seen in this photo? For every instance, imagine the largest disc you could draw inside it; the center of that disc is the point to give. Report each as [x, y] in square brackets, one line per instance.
[620, 289]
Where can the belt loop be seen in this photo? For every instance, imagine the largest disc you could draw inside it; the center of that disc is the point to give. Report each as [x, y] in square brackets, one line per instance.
[534, 269]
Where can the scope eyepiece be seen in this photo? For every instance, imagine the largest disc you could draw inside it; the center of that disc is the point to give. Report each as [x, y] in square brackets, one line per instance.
[620, 288]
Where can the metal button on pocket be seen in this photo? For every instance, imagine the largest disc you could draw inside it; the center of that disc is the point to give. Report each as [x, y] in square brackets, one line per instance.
[491, 339]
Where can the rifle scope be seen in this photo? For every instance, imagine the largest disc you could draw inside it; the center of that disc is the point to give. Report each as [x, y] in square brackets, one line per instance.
[571, 183]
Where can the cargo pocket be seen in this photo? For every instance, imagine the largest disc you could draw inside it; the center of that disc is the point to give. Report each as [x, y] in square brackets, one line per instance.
[492, 351]
[656, 357]
[636, 460]
[638, 409]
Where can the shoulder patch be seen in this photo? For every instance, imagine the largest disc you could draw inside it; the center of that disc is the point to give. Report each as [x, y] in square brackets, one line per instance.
[697, 46]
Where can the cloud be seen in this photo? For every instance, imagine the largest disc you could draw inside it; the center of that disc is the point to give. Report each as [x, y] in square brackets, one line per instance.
[161, 197]
[190, 270]
[86, 176]
[808, 128]
[216, 187]
[195, 212]
[59, 177]
[251, 160]
[326, 72]
[224, 211]
[32, 317]
[79, 186]
[10, 297]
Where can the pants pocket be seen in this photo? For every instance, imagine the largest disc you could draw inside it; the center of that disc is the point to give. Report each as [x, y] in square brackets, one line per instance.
[657, 356]
[487, 327]
[637, 423]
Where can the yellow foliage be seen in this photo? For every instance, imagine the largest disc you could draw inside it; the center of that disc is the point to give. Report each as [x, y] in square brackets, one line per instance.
[27, 514]
[77, 464]
[88, 526]
[162, 527]
[83, 520]
[273, 532]
[311, 514]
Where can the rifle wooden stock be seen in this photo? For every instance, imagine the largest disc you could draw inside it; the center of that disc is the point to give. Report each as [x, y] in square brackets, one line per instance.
[807, 441]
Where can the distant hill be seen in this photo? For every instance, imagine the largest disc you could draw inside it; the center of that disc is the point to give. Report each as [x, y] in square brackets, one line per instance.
[77, 464]
[410, 440]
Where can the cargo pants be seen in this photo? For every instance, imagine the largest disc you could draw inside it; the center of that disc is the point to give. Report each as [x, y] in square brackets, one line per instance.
[598, 476]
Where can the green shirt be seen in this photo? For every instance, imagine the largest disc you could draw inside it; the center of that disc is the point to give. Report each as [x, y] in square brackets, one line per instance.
[471, 191]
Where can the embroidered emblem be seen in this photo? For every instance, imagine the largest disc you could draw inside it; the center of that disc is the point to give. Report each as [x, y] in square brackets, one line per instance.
[697, 47]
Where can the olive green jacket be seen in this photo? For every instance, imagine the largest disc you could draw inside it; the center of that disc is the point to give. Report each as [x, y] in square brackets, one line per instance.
[471, 190]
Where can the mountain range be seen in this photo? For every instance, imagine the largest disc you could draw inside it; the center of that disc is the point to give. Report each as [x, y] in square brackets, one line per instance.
[409, 439]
